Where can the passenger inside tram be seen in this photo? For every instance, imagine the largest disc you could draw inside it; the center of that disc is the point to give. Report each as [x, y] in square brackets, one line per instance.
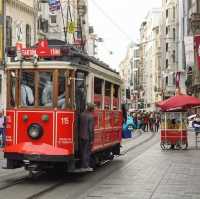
[47, 93]
[27, 98]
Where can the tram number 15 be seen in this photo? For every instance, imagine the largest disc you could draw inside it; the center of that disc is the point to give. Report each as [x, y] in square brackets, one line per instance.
[65, 120]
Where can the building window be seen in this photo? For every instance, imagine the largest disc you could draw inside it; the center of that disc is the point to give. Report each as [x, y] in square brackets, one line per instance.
[166, 66]
[174, 12]
[198, 6]
[28, 35]
[174, 56]
[167, 13]
[166, 30]
[166, 81]
[167, 47]
[8, 31]
[53, 19]
[189, 4]
[174, 33]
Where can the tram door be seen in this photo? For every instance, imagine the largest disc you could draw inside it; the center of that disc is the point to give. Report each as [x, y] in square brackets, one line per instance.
[80, 91]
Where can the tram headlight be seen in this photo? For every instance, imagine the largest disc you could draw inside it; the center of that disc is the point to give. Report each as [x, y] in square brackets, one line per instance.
[35, 131]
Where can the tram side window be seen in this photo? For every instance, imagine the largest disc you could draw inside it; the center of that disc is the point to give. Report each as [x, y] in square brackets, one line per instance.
[107, 99]
[61, 89]
[80, 91]
[116, 97]
[98, 93]
[46, 89]
[12, 88]
[27, 88]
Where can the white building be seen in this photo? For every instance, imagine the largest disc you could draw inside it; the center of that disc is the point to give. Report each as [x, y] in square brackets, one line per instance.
[73, 15]
[125, 71]
[20, 27]
[169, 44]
[150, 58]
[21, 22]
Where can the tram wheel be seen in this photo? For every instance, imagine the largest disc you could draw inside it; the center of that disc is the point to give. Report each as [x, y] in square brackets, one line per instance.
[184, 145]
[165, 145]
[181, 145]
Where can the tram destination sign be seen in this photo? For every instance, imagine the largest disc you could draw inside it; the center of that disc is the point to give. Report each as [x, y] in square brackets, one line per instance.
[42, 50]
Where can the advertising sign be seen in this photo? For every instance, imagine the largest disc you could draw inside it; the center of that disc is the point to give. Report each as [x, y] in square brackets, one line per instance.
[197, 48]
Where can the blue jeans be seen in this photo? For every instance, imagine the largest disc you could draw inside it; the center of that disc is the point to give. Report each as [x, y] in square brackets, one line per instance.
[2, 134]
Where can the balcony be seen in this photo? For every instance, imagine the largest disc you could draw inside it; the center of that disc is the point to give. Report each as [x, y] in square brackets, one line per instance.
[195, 22]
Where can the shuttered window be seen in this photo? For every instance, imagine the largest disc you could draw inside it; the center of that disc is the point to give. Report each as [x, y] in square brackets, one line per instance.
[8, 31]
[28, 35]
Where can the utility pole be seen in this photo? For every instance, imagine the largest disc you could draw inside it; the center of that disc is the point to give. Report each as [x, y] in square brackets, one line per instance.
[2, 39]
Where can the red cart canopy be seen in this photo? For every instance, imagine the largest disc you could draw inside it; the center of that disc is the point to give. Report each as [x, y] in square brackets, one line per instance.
[178, 102]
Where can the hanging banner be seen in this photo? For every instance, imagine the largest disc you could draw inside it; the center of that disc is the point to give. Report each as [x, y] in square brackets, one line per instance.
[54, 5]
[71, 27]
[197, 49]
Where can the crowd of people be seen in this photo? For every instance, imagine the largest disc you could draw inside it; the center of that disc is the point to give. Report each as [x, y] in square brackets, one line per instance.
[146, 121]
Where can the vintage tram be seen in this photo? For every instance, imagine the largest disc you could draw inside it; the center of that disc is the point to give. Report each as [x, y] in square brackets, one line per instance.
[44, 102]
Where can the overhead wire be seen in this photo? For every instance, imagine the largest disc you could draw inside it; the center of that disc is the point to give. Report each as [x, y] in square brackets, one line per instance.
[111, 20]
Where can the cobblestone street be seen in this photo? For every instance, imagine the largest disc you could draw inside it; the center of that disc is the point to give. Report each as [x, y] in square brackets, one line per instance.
[155, 174]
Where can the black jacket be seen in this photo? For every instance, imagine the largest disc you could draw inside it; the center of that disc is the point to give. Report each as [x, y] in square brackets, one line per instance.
[87, 126]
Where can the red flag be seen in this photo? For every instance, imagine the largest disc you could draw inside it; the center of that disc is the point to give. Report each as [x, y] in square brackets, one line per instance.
[197, 48]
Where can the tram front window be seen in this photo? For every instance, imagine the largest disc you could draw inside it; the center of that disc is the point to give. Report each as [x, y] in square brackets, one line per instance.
[13, 79]
[27, 89]
[61, 89]
[46, 89]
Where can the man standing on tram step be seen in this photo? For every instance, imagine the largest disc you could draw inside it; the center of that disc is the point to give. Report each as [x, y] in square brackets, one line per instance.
[86, 136]
[2, 128]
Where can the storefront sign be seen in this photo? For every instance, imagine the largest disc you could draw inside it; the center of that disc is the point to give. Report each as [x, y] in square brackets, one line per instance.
[197, 49]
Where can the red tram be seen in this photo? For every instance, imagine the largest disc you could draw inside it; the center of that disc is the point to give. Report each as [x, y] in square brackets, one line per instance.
[44, 101]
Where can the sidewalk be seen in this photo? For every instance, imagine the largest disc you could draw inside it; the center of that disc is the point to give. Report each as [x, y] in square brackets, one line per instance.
[155, 174]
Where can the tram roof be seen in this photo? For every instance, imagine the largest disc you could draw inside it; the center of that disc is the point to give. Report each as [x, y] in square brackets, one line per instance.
[75, 53]
[70, 53]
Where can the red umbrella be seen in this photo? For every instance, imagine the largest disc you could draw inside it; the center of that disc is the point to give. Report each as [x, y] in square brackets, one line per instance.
[178, 102]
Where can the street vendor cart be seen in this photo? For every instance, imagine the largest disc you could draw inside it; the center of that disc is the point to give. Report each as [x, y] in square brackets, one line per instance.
[173, 131]
[174, 120]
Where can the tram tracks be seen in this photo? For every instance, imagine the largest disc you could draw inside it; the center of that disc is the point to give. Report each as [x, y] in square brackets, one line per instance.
[50, 186]
[44, 193]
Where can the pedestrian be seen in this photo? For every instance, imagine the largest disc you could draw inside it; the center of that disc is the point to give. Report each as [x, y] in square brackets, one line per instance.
[196, 124]
[157, 122]
[151, 121]
[146, 121]
[2, 128]
[86, 136]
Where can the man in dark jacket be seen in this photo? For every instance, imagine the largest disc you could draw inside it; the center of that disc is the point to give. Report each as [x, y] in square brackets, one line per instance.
[86, 136]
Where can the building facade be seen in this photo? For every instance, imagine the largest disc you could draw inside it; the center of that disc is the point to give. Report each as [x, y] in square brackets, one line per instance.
[192, 24]
[125, 71]
[20, 26]
[69, 23]
[169, 45]
[150, 52]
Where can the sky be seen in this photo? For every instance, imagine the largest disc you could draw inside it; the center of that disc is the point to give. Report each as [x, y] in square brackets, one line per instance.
[118, 23]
